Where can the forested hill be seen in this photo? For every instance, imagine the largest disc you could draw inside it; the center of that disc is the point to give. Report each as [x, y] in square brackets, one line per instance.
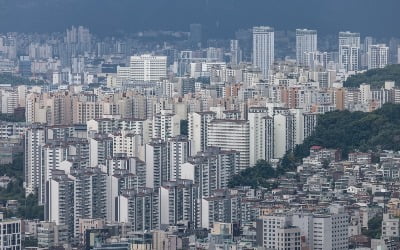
[343, 130]
[375, 77]
[351, 131]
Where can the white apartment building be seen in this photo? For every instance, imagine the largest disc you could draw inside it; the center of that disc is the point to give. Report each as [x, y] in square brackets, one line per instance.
[231, 135]
[52, 155]
[138, 207]
[349, 49]
[198, 130]
[123, 75]
[261, 134]
[283, 134]
[148, 68]
[378, 56]
[178, 152]
[306, 42]
[100, 149]
[10, 233]
[322, 231]
[128, 143]
[165, 125]
[156, 163]
[34, 140]
[330, 232]
[178, 202]
[276, 232]
[60, 201]
[9, 101]
[390, 227]
[263, 49]
[365, 93]
[211, 170]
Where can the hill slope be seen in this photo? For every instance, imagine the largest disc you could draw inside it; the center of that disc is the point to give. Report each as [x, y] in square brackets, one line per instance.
[340, 129]
[375, 77]
[351, 131]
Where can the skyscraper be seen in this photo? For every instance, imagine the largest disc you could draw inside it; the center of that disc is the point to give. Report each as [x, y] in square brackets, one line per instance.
[306, 41]
[263, 48]
[349, 47]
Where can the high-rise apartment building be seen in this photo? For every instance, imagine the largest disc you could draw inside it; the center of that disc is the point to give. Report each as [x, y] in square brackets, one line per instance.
[231, 135]
[34, 140]
[349, 48]
[211, 170]
[261, 134]
[156, 163]
[198, 130]
[263, 49]
[284, 139]
[378, 56]
[138, 207]
[178, 202]
[306, 42]
[60, 201]
[178, 153]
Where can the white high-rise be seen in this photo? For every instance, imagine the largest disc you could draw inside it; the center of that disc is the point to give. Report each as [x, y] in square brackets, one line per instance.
[283, 134]
[276, 232]
[147, 68]
[306, 41]
[263, 48]
[261, 135]
[178, 153]
[34, 140]
[349, 48]
[231, 135]
[198, 130]
[378, 56]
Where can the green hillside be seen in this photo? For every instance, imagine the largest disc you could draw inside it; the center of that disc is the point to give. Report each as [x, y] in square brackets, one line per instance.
[351, 131]
[343, 130]
[375, 77]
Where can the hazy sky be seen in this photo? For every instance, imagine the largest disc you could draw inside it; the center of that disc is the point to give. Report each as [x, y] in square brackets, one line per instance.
[219, 17]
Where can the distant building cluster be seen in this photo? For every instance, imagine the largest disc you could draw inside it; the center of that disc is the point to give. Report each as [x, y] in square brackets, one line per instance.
[132, 142]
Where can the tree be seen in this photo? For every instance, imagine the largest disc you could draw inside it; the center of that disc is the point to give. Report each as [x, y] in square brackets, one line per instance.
[375, 77]
[7, 78]
[28, 206]
[256, 176]
[374, 227]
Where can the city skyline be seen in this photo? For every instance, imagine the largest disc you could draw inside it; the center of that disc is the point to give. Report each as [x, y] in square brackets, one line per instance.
[197, 128]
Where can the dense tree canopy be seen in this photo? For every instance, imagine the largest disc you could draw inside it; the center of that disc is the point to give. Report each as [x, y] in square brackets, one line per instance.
[374, 230]
[375, 77]
[351, 131]
[256, 176]
[28, 206]
[6, 78]
[344, 130]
